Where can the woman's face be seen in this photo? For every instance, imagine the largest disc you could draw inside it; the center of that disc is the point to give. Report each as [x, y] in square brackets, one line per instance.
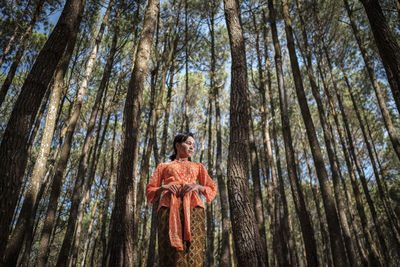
[186, 148]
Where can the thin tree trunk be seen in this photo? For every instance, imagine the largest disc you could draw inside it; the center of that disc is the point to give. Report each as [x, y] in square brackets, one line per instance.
[108, 194]
[373, 257]
[257, 193]
[245, 231]
[186, 111]
[279, 215]
[224, 259]
[13, 146]
[388, 48]
[255, 168]
[395, 82]
[74, 250]
[24, 226]
[15, 35]
[92, 219]
[121, 241]
[210, 167]
[326, 255]
[21, 49]
[338, 253]
[352, 256]
[389, 212]
[79, 186]
[300, 206]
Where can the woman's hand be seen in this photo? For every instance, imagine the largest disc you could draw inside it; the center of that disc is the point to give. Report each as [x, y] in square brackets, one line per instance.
[173, 188]
[189, 188]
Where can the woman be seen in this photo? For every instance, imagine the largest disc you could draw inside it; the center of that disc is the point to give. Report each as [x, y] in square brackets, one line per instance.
[181, 216]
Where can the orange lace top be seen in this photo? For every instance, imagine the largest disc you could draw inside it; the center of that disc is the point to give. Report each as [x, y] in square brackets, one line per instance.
[180, 173]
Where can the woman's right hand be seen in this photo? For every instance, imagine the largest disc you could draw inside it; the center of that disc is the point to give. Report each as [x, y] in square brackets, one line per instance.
[173, 188]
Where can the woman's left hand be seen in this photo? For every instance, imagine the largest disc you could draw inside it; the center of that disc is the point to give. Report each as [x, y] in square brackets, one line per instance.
[189, 188]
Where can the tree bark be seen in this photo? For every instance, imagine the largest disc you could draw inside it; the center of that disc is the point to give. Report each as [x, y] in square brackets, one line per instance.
[16, 35]
[121, 241]
[280, 224]
[255, 169]
[79, 186]
[20, 52]
[209, 206]
[338, 253]
[24, 226]
[224, 259]
[245, 232]
[300, 206]
[13, 146]
[352, 256]
[388, 47]
[394, 82]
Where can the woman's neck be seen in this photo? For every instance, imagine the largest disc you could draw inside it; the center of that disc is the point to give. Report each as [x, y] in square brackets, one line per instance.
[179, 158]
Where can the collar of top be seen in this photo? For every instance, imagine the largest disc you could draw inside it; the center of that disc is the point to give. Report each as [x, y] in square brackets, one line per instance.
[180, 160]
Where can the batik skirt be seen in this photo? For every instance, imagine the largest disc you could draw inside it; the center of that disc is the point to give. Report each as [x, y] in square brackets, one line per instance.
[193, 252]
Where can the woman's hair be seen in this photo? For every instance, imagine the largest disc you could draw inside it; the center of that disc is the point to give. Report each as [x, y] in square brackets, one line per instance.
[179, 138]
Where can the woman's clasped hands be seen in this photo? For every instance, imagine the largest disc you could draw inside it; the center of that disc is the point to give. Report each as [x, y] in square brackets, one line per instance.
[180, 191]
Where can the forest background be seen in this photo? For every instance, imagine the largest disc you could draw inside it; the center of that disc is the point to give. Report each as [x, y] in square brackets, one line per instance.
[294, 106]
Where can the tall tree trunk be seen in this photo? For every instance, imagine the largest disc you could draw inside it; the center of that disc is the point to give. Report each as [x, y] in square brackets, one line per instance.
[121, 241]
[62, 163]
[186, 101]
[24, 226]
[21, 49]
[245, 231]
[280, 224]
[257, 193]
[15, 34]
[79, 186]
[300, 206]
[373, 256]
[389, 212]
[395, 82]
[326, 254]
[108, 195]
[338, 253]
[255, 168]
[224, 259]
[13, 146]
[352, 256]
[388, 47]
[91, 224]
[210, 167]
[86, 187]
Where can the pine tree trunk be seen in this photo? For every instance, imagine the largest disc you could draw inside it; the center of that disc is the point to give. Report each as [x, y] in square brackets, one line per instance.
[326, 254]
[108, 195]
[279, 215]
[13, 146]
[21, 49]
[121, 235]
[395, 82]
[79, 186]
[210, 167]
[74, 250]
[373, 257]
[186, 110]
[300, 206]
[338, 253]
[388, 47]
[224, 252]
[389, 212]
[15, 35]
[92, 219]
[24, 226]
[352, 256]
[245, 232]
